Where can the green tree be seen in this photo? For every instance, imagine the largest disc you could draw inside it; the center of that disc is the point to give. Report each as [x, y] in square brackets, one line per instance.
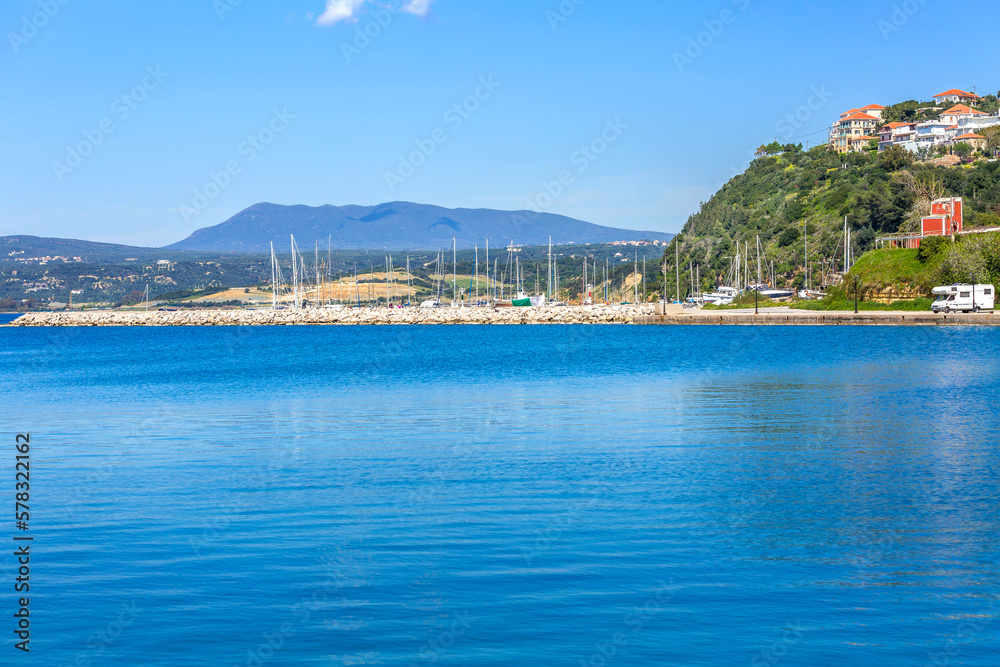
[992, 135]
[989, 104]
[895, 158]
[962, 149]
[773, 148]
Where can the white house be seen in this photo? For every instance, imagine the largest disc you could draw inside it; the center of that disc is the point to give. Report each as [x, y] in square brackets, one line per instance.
[958, 112]
[933, 133]
[956, 95]
[893, 134]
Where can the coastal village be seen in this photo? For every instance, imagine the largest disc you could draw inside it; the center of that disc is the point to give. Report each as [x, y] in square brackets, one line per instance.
[858, 129]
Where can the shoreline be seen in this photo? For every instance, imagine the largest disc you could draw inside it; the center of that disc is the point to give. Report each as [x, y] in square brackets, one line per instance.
[645, 314]
[346, 317]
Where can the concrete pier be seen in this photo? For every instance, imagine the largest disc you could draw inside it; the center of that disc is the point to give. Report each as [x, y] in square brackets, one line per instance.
[599, 314]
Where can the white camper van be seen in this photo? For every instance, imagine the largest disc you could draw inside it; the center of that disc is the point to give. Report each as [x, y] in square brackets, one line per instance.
[963, 298]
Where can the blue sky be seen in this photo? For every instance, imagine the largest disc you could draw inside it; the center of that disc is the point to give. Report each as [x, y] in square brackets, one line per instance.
[141, 122]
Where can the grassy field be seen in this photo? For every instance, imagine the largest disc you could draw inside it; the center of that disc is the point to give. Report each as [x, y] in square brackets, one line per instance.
[887, 268]
[746, 300]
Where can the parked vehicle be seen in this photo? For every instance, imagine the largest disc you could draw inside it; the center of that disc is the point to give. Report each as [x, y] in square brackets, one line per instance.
[964, 298]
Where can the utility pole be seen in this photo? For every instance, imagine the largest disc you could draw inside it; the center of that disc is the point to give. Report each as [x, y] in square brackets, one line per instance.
[855, 294]
[644, 279]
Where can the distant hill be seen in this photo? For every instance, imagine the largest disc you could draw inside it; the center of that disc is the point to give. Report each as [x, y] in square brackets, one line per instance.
[14, 248]
[396, 226]
[21, 246]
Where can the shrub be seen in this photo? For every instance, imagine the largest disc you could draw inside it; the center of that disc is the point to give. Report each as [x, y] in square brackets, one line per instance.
[932, 247]
[789, 236]
[976, 257]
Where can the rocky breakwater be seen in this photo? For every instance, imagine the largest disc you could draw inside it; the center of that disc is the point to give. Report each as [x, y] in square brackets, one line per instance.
[347, 316]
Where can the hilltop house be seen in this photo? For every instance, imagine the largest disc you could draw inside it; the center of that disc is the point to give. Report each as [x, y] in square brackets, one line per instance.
[855, 128]
[956, 124]
[977, 141]
[934, 133]
[896, 134]
[955, 95]
[958, 112]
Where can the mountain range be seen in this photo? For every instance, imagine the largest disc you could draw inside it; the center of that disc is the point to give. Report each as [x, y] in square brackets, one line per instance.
[396, 226]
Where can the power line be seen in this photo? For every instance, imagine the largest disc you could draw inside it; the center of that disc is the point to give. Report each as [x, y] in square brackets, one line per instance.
[805, 136]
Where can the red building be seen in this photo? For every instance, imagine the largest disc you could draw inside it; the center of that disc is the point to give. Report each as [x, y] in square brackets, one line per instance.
[945, 218]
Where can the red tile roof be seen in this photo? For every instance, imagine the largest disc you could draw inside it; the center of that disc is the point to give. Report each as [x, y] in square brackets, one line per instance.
[971, 135]
[956, 91]
[860, 116]
[958, 108]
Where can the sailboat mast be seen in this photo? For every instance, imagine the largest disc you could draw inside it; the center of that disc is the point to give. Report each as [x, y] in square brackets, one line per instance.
[274, 280]
[454, 269]
[295, 274]
[757, 241]
[548, 286]
[677, 265]
[635, 272]
[746, 252]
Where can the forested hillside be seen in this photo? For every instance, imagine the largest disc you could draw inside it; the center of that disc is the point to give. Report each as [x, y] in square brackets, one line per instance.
[786, 190]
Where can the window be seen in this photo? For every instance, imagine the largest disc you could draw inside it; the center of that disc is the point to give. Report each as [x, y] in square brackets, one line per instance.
[987, 291]
[964, 295]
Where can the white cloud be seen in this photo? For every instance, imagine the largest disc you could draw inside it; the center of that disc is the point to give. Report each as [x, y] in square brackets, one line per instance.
[339, 10]
[418, 7]
[344, 10]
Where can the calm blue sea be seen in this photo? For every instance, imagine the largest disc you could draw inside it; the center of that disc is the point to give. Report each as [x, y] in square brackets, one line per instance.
[506, 495]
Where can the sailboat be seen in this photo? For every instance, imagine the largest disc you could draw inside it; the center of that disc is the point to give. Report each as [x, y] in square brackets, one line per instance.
[436, 301]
